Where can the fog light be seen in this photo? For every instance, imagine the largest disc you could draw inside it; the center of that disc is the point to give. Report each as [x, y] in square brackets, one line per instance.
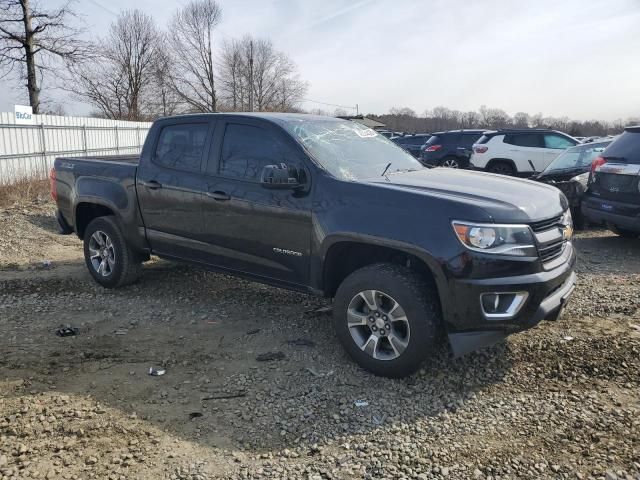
[502, 305]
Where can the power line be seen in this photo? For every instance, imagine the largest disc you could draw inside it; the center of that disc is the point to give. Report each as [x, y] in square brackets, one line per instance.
[108, 10]
[329, 104]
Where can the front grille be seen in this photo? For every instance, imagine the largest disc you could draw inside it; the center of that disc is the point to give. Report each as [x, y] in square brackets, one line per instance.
[549, 238]
[551, 252]
[543, 225]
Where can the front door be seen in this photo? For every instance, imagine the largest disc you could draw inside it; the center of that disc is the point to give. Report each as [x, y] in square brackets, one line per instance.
[170, 185]
[250, 228]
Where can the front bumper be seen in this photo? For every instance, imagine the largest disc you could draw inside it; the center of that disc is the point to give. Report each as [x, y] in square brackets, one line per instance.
[548, 292]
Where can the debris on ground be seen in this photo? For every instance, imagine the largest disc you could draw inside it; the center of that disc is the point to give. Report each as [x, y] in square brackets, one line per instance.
[67, 331]
[270, 356]
[301, 342]
[156, 371]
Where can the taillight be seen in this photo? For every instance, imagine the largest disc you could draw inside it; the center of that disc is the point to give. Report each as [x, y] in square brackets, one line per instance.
[53, 184]
[433, 148]
[480, 148]
[598, 162]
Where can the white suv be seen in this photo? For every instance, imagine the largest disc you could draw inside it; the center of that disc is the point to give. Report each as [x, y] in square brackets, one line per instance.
[519, 152]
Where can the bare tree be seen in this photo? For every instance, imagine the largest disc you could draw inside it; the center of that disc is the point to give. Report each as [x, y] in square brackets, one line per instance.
[191, 43]
[164, 100]
[119, 81]
[254, 75]
[33, 40]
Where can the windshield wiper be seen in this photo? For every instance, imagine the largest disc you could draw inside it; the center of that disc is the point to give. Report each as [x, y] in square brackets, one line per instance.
[385, 169]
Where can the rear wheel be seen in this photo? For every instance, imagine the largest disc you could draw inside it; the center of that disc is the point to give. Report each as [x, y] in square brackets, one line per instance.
[110, 261]
[387, 318]
[501, 168]
[450, 162]
[623, 232]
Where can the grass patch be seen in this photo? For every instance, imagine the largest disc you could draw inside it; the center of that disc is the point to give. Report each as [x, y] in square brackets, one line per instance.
[26, 190]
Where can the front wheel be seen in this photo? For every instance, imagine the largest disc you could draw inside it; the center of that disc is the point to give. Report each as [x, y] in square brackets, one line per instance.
[387, 318]
[110, 261]
[501, 168]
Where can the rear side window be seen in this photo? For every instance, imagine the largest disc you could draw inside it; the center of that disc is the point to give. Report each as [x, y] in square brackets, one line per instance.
[557, 142]
[181, 146]
[625, 148]
[247, 149]
[524, 140]
[434, 140]
[484, 139]
[468, 139]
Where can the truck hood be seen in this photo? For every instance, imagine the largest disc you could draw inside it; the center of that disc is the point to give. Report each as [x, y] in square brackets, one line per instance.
[504, 199]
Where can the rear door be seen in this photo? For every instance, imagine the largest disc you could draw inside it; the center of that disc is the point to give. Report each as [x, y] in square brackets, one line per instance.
[525, 149]
[555, 144]
[170, 185]
[249, 228]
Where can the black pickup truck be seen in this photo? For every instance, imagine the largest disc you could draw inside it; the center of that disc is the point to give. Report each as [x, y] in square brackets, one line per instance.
[330, 207]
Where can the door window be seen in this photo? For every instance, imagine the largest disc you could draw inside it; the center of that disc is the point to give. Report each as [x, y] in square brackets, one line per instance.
[557, 142]
[246, 149]
[181, 146]
[531, 140]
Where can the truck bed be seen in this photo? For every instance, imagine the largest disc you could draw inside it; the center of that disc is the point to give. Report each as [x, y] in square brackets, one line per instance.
[128, 159]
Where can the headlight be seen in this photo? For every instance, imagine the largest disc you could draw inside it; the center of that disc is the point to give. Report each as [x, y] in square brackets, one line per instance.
[567, 219]
[515, 240]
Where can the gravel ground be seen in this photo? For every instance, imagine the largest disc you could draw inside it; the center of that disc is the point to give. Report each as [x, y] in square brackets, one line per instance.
[559, 401]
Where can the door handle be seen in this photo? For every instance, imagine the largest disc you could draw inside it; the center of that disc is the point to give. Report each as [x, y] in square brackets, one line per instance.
[151, 184]
[219, 196]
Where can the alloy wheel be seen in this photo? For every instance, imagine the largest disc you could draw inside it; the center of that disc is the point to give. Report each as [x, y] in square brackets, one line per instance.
[378, 325]
[450, 163]
[102, 253]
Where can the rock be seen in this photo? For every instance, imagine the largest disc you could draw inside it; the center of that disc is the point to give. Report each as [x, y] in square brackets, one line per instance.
[91, 460]
[3, 461]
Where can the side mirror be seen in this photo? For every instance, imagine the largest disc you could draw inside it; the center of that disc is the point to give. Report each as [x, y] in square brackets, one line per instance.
[279, 177]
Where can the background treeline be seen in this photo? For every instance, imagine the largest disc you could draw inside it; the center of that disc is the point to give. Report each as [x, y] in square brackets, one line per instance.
[442, 118]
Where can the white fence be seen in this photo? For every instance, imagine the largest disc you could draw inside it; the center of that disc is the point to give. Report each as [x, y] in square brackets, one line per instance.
[29, 150]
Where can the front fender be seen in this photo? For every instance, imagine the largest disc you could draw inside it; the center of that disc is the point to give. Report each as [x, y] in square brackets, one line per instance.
[434, 266]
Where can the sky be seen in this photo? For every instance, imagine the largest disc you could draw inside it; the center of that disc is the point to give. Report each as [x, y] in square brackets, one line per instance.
[574, 58]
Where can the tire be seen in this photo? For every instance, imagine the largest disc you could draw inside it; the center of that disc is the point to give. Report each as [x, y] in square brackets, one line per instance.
[415, 337]
[450, 162]
[110, 260]
[502, 168]
[623, 232]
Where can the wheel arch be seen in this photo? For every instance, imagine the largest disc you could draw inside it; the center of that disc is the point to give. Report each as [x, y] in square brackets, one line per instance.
[343, 254]
[502, 160]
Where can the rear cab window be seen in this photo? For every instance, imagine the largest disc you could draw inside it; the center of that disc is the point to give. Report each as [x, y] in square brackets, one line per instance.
[181, 146]
[626, 148]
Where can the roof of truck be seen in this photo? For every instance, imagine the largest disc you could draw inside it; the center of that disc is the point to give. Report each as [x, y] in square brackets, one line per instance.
[273, 116]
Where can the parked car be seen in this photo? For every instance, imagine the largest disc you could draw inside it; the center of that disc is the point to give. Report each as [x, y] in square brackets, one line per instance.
[521, 152]
[449, 149]
[389, 133]
[412, 143]
[613, 193]
[569, 172]
[327, 206]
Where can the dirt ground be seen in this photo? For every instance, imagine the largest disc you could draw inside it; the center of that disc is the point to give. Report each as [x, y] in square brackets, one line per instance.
[559, 401]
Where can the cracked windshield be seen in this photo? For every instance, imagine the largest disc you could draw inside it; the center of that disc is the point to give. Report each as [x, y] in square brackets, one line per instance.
[351, 151]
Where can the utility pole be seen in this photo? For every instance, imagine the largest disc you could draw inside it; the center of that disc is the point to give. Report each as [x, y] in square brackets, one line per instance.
[357, 111]
[251, 75]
